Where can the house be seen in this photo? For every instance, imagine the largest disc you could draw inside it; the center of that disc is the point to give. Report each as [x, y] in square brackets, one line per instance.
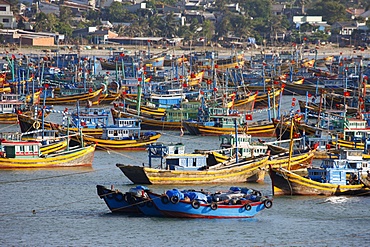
[346, 28]
[97, 36]
[7, 18]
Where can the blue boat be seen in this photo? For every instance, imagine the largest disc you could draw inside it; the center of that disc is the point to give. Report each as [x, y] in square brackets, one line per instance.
[236, 203]
[135, 201]
[139, 200]
[117, 201]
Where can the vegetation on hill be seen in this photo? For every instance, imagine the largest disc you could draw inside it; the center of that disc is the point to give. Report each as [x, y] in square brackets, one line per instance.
[255, 19]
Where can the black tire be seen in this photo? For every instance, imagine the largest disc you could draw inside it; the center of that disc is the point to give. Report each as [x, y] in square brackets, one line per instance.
[214, 206]
[132, 200]
[257, 193]
[126, 197]
[267, 203]
[165, 199]
[195, 204]
[175, 199]
[247, 207]
[149, 204]
[118, 197]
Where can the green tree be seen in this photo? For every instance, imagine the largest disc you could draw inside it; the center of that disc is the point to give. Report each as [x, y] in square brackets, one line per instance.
[65, 14]
[257, 8]
[331, 10]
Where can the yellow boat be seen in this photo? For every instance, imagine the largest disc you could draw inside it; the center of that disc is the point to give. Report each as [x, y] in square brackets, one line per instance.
[92, 97]
[228, 172]
[27, 154]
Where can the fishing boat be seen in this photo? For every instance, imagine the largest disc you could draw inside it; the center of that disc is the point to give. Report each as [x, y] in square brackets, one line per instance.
[125, 134]
[240, 144]
[70, 96]
[50, 139]
[235, 203]
[27, 154]
[12, 104]
[177, 167]
[333, 177]
[170, 119]
[223, 124]
[117, 201]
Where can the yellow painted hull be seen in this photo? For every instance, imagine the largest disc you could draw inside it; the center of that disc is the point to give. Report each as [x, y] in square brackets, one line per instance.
[121, 144]
[241, 172]
[74, 157]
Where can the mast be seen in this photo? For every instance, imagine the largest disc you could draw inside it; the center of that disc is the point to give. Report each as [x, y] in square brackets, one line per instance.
[291, 142]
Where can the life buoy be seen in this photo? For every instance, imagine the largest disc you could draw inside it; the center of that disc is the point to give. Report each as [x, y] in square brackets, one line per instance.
[149, 204]
[214, 206]
[267, 203]
[36, 125]
[195, 204]
[118, 197]
[247, 207]
[175, 199]
[165, 199]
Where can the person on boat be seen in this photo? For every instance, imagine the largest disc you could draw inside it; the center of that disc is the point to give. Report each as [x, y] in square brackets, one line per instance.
[368, 175]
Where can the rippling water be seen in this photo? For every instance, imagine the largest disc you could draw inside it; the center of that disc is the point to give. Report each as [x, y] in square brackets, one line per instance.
[60, 207]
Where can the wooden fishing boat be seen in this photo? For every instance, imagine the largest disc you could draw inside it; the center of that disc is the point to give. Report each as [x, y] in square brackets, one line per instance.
[117, 201]
[91, 96]
[170, 119]
[193, 204]
[334, 177]
[12, 104]
[125, 134]
[222, 64]
[27, 154]
[184, 168]
[50, 140]
[255, 129]
[263, 99]
[286, 182]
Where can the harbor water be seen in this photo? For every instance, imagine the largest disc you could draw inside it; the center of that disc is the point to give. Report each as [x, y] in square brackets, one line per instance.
[60, 207]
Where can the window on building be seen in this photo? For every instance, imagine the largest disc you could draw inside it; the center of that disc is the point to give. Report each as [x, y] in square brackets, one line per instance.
[2, 8]
[6, 20]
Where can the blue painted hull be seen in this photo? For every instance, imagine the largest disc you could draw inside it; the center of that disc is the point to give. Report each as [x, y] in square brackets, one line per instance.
[119, 202]
[186, 210]
[116, 201]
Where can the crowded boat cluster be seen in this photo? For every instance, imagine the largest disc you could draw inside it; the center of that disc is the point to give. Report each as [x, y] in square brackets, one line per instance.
[68, 107]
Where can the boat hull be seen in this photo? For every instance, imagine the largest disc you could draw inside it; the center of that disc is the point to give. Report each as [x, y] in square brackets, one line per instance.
[184, 209]
[235, 173]
[116, 201]
[73, 158]
[287, 183]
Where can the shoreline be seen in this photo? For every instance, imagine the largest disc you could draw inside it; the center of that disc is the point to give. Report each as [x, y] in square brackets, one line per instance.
[105, 51]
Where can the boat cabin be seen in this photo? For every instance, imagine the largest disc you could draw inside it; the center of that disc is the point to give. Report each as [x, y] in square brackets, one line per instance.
[335, 172]
[246, 149]
[91, 118]
[355, 130]
[10, 103]
[173, 157]
[186, 162]
[20, 149]
[125, 128]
